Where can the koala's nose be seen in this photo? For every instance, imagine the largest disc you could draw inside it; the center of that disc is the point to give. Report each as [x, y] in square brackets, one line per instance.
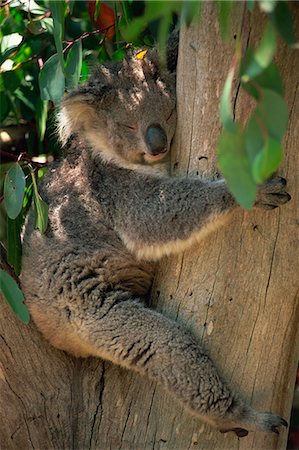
[156, 140]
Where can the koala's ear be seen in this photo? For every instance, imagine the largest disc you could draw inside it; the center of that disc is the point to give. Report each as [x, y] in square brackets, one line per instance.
[76, 112]
[171, 54]
[172, 50]
[79, 109]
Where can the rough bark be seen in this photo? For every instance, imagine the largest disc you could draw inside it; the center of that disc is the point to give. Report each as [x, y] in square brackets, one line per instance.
[237, 291]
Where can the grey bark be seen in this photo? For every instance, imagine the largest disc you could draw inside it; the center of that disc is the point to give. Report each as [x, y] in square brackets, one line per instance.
[237, 291]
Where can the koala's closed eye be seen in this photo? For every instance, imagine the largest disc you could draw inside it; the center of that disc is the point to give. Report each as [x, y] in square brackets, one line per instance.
[132, 127]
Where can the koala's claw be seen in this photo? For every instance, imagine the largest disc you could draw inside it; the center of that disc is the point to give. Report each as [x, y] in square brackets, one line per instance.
[270, 422]
[272, 194]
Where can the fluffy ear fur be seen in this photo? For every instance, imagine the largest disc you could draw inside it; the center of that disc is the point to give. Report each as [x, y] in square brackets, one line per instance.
[75, 113]
[172, 50]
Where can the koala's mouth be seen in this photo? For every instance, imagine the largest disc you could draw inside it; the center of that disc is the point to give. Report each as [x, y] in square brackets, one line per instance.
[152, 158]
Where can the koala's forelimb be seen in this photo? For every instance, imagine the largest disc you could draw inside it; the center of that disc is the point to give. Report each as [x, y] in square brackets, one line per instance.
[162, 215]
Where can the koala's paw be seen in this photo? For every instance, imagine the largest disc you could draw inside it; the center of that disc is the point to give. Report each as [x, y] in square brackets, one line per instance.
[272, 194]
[270, 422]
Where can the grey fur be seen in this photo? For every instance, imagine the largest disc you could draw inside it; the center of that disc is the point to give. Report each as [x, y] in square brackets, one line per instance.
[113, 211]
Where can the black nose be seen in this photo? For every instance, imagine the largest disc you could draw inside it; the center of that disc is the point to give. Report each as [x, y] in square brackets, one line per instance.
[156, 140]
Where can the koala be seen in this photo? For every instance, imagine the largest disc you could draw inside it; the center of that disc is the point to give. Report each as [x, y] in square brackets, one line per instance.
[114, 211]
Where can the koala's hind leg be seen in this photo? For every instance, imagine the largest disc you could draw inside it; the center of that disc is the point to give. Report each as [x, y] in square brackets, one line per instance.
[121, 329]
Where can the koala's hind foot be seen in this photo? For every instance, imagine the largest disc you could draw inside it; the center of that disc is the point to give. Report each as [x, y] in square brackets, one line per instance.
[118, 327]
[247, 419]
[272, 194]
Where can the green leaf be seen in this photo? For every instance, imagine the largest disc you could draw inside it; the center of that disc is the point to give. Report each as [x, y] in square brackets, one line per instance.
[224, 15]
[73, 65]
[269, 79]
[48, 23]
[225, 108]
[190, 11]
[97, 9]
[4, 106]
[267, 161]
[41, 117]
[267, 5]
[250, 5]
[263, 55]
[14, 296]
[273, 113]
[10, 42]
[51, 80]
[58, 8]
[284, 22]
[71, 5]
[40, 207]
[24, 99]
[14, 186]
[14, 246]
[11, 79]
[235, 166]
[254, 139]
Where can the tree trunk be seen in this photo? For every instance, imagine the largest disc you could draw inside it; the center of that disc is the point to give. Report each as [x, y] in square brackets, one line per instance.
[237, 291]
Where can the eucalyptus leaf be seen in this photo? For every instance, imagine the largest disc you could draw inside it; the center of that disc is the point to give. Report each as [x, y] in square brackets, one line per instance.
[273, 113]
[14, 296]
[14, 246]
[267, 5]
[40, 207]
[225, 108]
[41, 213]
[71, 5]
[235, 167]
[97, 9]
[10, 42]
[284, 22]
[73, 65]
[250, 5]
[41, 117]
[267, 161]
[51, 80]
[254, 139]
[14, 186]
[263, 55]
[224, 16]
[58, 10]
[4, 106]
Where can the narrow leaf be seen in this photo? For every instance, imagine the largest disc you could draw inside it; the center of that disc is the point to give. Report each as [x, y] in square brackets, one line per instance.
[40, 207]
[254, 139]
[263, 55]
[267, 161]
[41, 117]
[267, 5]
[71, 5]
[97, 9]
[224, 15]
[235, 166]
[73, 65]
[250, 5]
[284, 22]
[14, 186]
[58, 10]
[273, 112]
[14, 246]
[51, 80]
[225, 108]
[14, 296]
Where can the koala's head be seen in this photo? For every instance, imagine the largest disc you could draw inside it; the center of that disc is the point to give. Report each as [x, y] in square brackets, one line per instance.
[125, 112]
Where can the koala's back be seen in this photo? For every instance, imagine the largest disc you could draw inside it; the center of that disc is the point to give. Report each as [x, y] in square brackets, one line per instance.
[79, 258]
